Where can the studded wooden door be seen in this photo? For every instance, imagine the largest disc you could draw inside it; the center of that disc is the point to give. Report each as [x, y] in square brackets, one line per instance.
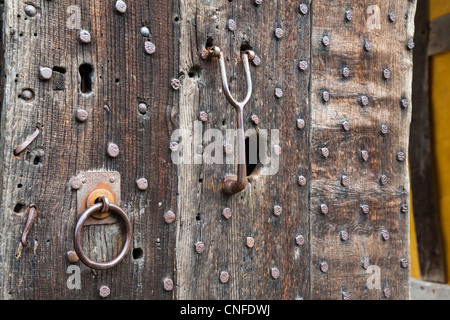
[129, 88]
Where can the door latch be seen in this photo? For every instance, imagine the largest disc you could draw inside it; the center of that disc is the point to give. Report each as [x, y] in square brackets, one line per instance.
[233, 184]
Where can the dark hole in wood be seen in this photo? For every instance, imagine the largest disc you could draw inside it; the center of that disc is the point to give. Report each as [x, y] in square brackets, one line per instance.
[250, 155]
[195, 71]
[37, 160]
[86, 73]
[59, 69]
[18, 207]
[246, 46]
[19, 185]
[138, 253]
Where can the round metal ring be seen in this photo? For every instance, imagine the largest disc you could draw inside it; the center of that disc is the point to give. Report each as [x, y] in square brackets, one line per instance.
[79, 228]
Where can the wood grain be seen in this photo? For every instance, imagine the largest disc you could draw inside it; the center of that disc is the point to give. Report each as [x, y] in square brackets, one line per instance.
[347, 49]
[124, 75]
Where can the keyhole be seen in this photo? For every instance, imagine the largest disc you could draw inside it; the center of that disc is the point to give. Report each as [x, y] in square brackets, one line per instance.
[86, 73]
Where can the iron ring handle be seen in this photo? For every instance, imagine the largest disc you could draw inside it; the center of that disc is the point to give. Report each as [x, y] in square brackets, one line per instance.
[78, 231]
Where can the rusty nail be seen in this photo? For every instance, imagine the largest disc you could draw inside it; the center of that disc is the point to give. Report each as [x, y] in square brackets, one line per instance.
[345, 295]
[279, 33]
[364, 100]
[169, 217]
[203, 116]
[326, 40]
[303, 65]
[72, 257]
[344, 235]
[325, 152]
[256, 60]
[149, 47]
[228, 148]
[31, 217]
[345, 180]
[226, 213]
[199, 247]
[278, 93]
[277, 149]
[204, 53]
[386, 74]
[249, 242]
[27, 95]
[176, 84]
[145, 32]
[346, 126]
[277, 210]
[404, 208]
[325, 96]
[303, 8]
[255, 119]
[401, 156]
[384, 129]
[324, 267]
[121, 6]
[301, 181]
[142, 107]
[81, 115]
[387, 292]
[300, 124]
[104, 291]
[142, 184]
[385, 235]
[30, 10]
[231, 25]
[368, 45]
[324, 208]
[75, 183]
[113, 150]
[18, 150]
[383, 180]
[365, 209]
[168, 284]
[404, 263]
[410, 44]
[224, 276]
[365, 264]
[84, 36]
[345, 72]
[299, 240]
[392, 16]
[364, 155]
[348, 15]
[173, 146]
[275, 273]
[404, 103]
[45, 73]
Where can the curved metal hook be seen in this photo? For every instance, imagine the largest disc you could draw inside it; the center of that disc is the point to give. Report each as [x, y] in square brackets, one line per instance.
[233, 184]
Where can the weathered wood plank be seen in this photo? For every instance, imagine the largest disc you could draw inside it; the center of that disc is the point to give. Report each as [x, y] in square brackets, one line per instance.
[124, 75]
[343, 237]
[424, 189]
[200, 185]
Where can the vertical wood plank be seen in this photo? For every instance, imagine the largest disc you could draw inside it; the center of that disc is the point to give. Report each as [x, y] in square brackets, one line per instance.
[201, 198]
[339, 42]
[424, 189]
[124, 75]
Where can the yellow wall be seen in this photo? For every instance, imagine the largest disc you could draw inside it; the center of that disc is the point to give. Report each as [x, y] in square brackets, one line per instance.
[440, 102]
